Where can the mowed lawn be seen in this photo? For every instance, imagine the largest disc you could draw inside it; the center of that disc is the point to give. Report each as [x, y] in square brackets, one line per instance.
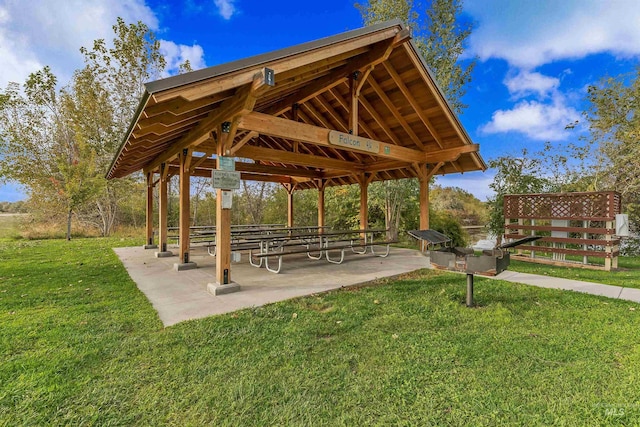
[81, 345]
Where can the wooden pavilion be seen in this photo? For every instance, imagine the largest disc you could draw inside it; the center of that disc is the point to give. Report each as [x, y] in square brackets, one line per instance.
[353, 108]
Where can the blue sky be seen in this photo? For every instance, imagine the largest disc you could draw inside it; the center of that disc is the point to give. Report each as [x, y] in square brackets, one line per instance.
[535, 58]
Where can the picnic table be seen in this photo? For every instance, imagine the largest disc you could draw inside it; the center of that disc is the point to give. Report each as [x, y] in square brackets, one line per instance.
[316, 245]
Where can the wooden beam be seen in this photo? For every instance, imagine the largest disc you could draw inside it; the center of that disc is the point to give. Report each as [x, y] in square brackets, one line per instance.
[363, 180]
[278, 156]
[241, 103]
[243, 77]
[248, 137]
[180, 106]
[423, 114]
[288, 129]
[211, 164]
[431, 172]
[444, 106]
[394, 111]
[451, 154]
[380, 120]
[160, 124]
[370, 133]
[377, 54]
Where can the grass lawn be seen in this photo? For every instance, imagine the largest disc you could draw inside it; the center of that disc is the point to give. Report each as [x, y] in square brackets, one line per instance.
[628, 275]
[81, 345]
[9, 225]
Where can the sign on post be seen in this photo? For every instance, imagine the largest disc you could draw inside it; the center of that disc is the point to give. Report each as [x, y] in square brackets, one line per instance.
[226, 163]
[226, 180]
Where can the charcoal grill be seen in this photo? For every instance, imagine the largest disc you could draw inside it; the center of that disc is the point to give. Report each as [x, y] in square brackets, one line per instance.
[445, 257]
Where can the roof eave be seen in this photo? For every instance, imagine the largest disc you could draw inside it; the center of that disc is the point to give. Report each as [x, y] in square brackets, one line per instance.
[143, 102]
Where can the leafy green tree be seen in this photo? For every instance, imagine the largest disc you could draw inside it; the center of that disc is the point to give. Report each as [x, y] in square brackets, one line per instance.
[440, 36]
[614, 122]
[447, 224]
[514, 175]
[459, 204]
[58, 143]
[42, 147]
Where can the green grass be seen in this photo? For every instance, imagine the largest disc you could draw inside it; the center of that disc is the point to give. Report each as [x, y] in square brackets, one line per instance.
[628, 274]
[81, 345]
[9, 226]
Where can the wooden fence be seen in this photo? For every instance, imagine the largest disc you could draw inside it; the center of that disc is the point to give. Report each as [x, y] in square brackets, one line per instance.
[573, 225]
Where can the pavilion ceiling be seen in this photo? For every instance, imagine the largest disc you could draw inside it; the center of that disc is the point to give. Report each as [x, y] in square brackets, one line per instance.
[279, 132]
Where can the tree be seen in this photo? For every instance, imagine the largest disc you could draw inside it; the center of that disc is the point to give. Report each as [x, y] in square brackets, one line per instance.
[440, 38]
[614, 122]
[514, 175]
[108, 90]
[442, 47]
[58, 143]
[43, 149]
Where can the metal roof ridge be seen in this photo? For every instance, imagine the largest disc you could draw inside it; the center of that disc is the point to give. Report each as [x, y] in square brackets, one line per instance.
[228, 67]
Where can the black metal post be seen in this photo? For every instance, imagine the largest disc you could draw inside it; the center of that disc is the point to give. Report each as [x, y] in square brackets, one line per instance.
[469, 290]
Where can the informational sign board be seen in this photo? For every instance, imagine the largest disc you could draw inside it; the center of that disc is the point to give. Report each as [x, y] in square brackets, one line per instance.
[226, 180]
[622, 225]
[226, 163]
[354, 142]
[227, 199]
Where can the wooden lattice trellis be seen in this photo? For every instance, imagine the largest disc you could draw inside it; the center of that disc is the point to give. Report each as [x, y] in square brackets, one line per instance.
[574, 224]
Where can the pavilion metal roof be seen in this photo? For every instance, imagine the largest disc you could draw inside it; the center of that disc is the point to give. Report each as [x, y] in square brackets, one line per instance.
[399, 105]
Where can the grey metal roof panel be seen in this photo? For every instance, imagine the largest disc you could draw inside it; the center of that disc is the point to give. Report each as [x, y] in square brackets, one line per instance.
[229, 67]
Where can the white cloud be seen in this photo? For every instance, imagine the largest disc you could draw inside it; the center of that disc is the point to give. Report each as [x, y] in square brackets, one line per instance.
[50, 32]
[525, 83]
[528, 34]
[536, 120]
[226, 8]
[177, 54]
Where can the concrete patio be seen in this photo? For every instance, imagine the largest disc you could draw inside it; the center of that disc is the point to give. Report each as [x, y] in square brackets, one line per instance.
[179, 296]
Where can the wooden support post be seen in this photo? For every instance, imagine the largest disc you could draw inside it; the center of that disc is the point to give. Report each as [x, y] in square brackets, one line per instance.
[223, 284]
[185, 213]
[353, 112]
[290, 189]
[364, 180]
[163, 211]
[609, 225]
[321, 186]
[423, 179]
[223, 221]
[149, 217]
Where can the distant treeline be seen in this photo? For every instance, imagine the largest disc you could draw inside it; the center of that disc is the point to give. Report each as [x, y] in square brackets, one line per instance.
[13, 207]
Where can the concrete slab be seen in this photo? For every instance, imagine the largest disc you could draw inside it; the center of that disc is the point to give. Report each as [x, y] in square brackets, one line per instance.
[616, 292]
[183, 295]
